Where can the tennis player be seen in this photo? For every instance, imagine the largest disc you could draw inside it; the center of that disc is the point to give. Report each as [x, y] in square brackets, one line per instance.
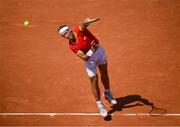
[87, 47]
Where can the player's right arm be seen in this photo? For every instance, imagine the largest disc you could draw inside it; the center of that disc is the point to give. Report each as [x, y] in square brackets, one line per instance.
[86, 23]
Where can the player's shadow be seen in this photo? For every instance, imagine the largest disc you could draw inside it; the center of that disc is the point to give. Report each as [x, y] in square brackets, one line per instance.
[128, 102]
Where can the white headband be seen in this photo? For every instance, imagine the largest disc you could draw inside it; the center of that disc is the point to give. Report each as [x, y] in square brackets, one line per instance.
[62, 30]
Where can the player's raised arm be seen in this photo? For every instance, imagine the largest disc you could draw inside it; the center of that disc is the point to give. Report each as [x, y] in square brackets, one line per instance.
[88, 21]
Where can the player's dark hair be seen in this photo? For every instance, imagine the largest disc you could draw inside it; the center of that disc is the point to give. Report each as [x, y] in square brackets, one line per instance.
[60, 27]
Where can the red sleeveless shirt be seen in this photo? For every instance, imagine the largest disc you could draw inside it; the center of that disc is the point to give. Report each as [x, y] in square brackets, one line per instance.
[83, 40]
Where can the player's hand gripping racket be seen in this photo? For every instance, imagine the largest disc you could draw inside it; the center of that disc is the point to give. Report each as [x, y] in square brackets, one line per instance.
[87, 21]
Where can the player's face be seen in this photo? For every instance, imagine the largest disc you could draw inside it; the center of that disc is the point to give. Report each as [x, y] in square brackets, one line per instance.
[67, 34]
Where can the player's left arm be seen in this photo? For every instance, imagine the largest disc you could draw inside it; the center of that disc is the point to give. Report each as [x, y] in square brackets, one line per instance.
[86, 56]
[87, 22]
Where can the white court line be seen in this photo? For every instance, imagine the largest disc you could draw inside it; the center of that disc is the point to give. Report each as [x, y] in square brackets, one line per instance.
[83, 114]
[93, 126]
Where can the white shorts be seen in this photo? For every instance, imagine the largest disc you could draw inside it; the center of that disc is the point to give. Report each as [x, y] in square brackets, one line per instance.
[98, 58]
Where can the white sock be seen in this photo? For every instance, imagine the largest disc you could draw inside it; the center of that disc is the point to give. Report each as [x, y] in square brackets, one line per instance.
[98, 102]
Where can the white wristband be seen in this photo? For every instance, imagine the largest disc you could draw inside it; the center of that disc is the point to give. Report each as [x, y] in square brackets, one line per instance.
[89, 53]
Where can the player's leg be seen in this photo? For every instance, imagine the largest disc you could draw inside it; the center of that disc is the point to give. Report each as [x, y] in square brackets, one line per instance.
[104, 75]
[103, 68]
[105, 81]
[95, 87]
[91, 71]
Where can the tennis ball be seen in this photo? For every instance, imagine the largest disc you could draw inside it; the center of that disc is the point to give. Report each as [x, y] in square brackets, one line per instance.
[26, 23]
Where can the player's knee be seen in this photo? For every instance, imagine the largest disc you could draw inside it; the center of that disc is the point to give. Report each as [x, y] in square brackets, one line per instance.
[95, 77]
[91, 73]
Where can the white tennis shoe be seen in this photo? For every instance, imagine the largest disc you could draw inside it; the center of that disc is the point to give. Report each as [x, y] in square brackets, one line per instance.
[102, 110]
[108, 96]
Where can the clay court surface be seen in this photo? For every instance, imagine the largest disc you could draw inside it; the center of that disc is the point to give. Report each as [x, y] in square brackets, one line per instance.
[39, 73]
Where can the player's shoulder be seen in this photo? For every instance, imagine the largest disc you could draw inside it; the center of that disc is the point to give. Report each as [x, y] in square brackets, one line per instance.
[77, 29]
[81, 28]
